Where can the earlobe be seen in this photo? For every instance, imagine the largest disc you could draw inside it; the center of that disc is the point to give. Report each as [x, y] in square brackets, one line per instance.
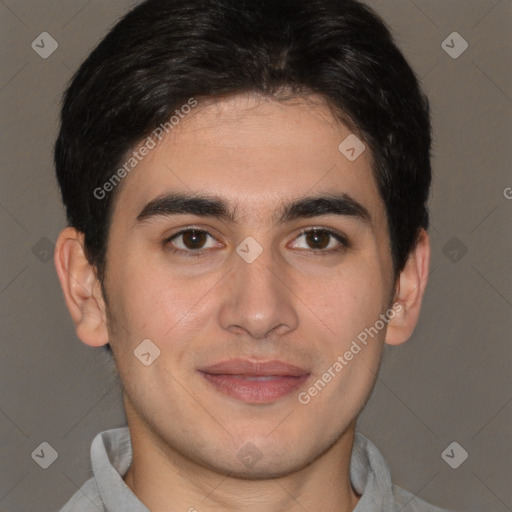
[81, 288]
[411, 285]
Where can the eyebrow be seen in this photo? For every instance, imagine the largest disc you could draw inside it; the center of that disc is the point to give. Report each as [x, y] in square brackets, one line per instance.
[216, 207]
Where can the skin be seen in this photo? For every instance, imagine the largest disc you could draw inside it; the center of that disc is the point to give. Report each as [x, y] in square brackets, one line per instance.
[291, 304]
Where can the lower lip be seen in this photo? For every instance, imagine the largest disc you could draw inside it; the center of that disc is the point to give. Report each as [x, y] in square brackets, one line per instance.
[255, 391]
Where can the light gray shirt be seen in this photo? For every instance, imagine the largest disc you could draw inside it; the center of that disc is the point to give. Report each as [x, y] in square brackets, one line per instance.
[111, 456]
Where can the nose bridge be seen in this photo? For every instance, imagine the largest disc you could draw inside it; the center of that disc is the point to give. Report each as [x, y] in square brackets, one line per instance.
[259, 301]
[257, 269]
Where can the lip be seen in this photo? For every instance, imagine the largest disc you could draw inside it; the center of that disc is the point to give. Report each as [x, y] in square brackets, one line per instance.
[254, 368]
[253, 381]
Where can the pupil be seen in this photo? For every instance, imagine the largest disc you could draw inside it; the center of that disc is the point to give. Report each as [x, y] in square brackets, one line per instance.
[314, 237]
[194, 239]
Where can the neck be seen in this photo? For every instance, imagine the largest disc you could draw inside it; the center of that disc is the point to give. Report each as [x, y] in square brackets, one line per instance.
[166, 480]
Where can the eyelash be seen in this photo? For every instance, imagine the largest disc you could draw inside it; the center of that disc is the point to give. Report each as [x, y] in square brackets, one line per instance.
[198, 253]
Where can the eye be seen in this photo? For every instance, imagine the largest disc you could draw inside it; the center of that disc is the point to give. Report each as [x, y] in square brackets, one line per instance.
[196, 242]
[191, 241]
[322, 240]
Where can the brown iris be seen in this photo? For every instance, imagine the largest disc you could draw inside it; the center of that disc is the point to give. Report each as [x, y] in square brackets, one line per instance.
[194, 239]
[318, 239]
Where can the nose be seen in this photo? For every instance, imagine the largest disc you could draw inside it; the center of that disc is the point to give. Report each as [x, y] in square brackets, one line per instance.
[259, 299]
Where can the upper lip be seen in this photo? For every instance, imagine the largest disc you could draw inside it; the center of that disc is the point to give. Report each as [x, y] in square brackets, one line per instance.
[254, 368]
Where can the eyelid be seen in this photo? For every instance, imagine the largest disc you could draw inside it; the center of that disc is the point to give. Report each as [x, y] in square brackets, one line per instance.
[186, 229]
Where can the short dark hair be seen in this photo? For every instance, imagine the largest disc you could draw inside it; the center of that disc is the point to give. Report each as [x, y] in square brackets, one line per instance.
[163, 52]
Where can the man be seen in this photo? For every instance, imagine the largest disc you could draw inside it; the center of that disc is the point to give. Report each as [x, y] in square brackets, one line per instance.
[246, 185]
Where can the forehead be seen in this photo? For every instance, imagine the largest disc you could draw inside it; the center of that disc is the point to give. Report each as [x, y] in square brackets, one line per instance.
[255, 153]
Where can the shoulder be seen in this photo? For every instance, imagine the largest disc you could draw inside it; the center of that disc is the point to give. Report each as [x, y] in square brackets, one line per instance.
[86, 499]
[408, 502]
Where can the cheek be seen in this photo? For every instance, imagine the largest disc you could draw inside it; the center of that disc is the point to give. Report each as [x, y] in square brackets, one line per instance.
[157, 303]
[350, 301]
[351, 307]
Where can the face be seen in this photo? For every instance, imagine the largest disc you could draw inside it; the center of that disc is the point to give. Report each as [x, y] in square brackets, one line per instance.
[242, 275]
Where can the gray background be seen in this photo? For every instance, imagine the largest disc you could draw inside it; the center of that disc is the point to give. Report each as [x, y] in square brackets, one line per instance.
[450, 382]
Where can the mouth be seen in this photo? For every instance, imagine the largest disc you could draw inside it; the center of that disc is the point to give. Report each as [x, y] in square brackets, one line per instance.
[255, 382]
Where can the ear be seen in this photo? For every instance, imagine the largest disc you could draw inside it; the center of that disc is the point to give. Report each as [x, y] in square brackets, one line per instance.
[81, 288]
[411, 285]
